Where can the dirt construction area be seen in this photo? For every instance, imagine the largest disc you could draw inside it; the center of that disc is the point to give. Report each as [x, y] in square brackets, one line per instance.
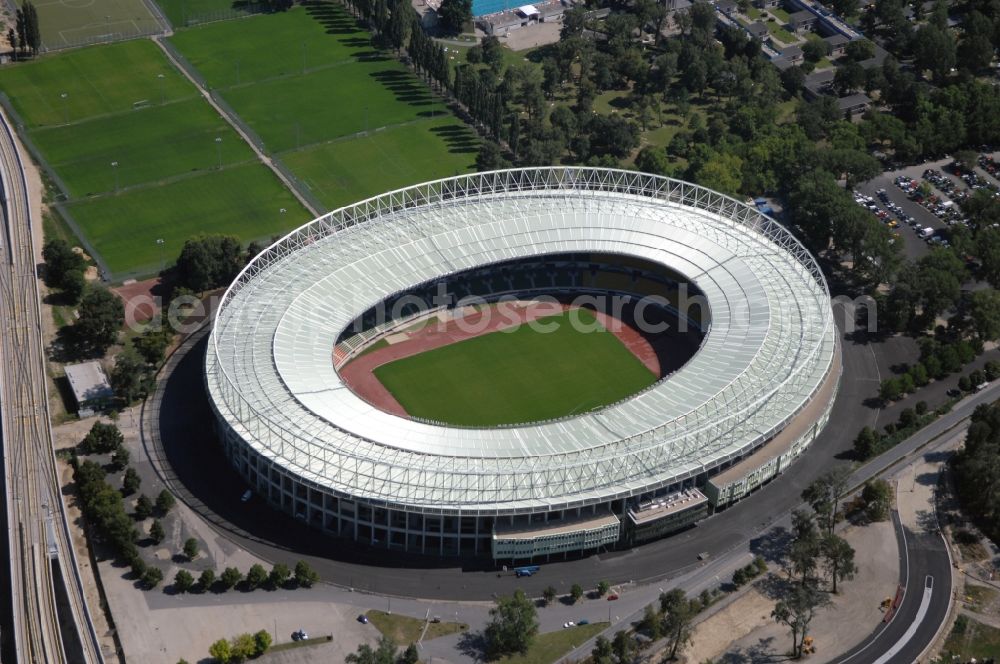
[744, 632]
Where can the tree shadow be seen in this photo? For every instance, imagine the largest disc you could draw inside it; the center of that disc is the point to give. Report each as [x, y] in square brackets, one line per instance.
[759, 653]
[772, 545]
[404, 86]
[774, 586]
[459, 138]
[472, 645]
[334, 19]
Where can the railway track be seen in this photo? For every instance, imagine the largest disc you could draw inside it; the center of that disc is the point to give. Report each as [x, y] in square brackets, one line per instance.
[39, 539]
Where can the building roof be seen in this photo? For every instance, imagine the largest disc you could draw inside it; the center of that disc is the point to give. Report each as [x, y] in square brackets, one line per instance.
[726, 6]
[528, 10]
[792, 51]
[801, 16]
[664, 507]
[850, 101]
[271, 377]
[505, 531]
[837, 39]
[757, 29]
[88, 382]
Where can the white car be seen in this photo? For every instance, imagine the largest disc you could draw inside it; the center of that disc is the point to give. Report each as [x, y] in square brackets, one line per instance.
[569, 624]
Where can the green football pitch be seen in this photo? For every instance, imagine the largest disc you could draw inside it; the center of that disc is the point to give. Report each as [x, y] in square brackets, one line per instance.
[142, 156]
[66, 23]
[310, 101]
[518, 375]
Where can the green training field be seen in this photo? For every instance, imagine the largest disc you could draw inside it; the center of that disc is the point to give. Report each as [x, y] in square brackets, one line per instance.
[518, 376]
[66, 23]
[343, 172]
[245, 201]
[307, 102]
[192, 12]
[82, 84]
[322, 86]
[79, 108]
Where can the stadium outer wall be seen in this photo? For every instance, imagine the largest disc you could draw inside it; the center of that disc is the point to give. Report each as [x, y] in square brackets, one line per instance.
[561, 525]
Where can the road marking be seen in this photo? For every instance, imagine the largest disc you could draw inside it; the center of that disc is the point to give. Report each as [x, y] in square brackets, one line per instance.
[925, 603]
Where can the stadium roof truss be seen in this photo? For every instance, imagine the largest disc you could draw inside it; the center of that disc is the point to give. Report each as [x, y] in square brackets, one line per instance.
[769, 347]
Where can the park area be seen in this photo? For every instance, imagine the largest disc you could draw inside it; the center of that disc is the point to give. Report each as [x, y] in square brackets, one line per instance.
[66, 23]
[347, 119]
[556, 366]
[141, 156]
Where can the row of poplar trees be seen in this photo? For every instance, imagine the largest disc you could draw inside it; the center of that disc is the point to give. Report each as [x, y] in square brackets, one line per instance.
[26, 37]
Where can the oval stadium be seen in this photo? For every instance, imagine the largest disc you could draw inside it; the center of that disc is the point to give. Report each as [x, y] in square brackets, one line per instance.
[523, 364]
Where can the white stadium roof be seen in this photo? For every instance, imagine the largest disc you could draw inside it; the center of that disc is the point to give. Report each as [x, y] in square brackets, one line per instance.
[770, 345]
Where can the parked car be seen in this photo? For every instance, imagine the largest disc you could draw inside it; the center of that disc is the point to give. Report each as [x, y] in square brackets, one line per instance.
[612, 597]
[247, 495]
[363, 619]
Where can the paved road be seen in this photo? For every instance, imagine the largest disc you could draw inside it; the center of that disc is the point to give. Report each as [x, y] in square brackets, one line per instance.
[51, 622]
[178, 437]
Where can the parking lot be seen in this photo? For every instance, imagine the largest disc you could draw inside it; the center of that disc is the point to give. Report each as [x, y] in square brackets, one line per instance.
[926, 196]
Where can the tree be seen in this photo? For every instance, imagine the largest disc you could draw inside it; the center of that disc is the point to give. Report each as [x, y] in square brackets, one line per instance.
[454, 14]
[824, 495]
[305, 577]
[262, 641]
[815, 50]
[156, 532]
[602, 653]
[797, 611]
[190, 548]
[602, 588]
[244, 646]
[490, 157]
[73, 284]
[651, 623]
[120, 457]
[101, 315]
[129, 378]
[838, 559]
[101, 439]
[877, 497]
[61, 264]
[549, 594]
[131, 481]
[576, 592]
[183, 581]
[279, 575]
[256, 576]
[805, 549]
[865, 444]
[152, 344]
[677, 619]
[860, 50]
[152, 577]
[221, 651]
[383, 653]
[934, 50]
[206, 580]
[209, 261]
[143, 507]
[512, 627]
[230, 577]
[623, 646]
[410, 655]
[984, 310]
[165, 502]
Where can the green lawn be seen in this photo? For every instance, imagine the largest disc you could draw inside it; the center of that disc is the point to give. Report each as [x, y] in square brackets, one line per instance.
[242, 200]
[76, 85]
[970, 638]
[779, 14]
[780, 33]
[189, 12]
[405, 630]
[320, 35]
[148, 145]
[518, 375]
[343, 172]
[549, 647]
[72, 23]
[166, 183]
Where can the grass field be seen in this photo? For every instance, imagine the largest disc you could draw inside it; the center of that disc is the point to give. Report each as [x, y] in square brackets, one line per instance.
[78, 22]
[309, 102]
[187, 12]
[79, 109]
[343, 172]
[518, 375]
[549, 647]
[970, 638]
[243, 200]
[405, 630]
